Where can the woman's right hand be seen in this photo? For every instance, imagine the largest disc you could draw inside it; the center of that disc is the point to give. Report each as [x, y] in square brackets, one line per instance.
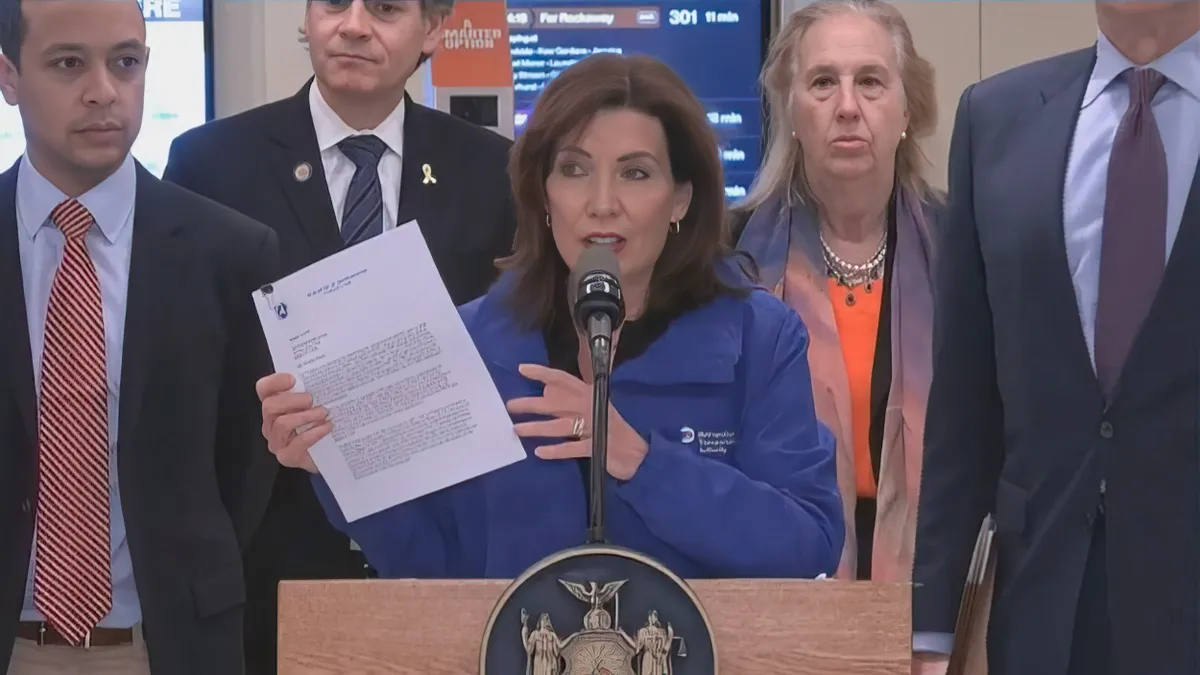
[291, 424]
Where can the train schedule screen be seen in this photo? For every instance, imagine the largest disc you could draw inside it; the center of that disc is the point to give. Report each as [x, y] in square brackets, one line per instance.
[716, 46]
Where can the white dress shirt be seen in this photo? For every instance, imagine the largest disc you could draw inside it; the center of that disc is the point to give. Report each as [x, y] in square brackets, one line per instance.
[41, 246]
[339, 170]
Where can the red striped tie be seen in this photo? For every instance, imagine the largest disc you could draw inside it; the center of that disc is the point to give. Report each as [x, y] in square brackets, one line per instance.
[72, 580]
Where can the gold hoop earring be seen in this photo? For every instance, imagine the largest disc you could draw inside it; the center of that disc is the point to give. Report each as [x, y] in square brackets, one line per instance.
[675, 226]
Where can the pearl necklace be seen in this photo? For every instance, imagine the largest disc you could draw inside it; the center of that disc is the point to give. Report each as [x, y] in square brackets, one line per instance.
[850, 275]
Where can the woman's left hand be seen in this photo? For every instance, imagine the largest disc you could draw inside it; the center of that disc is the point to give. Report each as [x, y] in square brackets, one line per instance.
[568, 400]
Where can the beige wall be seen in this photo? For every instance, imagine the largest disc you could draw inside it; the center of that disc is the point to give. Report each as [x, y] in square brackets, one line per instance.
[258, 58]
[1020, 32]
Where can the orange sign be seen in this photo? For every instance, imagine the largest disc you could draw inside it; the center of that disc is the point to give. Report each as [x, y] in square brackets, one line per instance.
[474, 50]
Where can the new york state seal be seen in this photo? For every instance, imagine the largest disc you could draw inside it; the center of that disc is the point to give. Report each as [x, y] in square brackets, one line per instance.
[598, 610]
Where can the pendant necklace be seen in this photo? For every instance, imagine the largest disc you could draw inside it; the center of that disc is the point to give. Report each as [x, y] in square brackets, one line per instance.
[851, 275]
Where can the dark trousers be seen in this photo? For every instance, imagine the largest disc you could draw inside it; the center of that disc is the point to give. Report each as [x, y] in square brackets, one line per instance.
[1091, 651]
[864, 526]
[295, 541]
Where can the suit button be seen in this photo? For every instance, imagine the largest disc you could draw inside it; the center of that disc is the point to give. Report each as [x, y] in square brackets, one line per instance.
[1106, 430]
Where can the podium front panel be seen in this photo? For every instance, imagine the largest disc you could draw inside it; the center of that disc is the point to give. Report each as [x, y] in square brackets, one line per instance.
[763, 627]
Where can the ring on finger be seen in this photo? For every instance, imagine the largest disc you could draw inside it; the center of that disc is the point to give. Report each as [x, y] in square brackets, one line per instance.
[577, 428]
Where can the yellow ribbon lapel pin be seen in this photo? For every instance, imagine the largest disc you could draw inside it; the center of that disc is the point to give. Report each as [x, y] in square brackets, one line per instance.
[428, 171]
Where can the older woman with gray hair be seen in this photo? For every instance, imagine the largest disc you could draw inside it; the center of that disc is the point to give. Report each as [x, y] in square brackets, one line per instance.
[839, 222]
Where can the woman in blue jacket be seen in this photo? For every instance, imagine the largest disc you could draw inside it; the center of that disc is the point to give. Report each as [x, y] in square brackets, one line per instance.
[717, 464]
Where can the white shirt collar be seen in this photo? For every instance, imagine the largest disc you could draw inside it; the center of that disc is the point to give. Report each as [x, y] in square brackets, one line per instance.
[1181, 66]
[110, 202]
[331, 130]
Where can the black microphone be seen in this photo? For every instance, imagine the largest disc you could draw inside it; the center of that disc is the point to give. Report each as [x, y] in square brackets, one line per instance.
[598, 311]
[599, 308]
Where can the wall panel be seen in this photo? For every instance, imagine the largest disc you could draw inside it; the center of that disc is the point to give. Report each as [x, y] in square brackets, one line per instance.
[1027, 30]
[946, 34]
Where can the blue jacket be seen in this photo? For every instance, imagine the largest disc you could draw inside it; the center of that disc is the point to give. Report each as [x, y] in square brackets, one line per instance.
[740, 479]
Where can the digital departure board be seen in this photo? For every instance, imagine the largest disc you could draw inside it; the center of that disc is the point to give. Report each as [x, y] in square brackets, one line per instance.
[716, 46]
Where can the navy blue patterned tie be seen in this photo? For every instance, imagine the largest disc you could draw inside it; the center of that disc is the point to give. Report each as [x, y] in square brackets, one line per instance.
[1133, 251]
[362, 215]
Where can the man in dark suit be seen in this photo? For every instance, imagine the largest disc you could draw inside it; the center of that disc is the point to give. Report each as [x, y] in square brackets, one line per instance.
[346, 158]
[130, 348]
[1065, 394]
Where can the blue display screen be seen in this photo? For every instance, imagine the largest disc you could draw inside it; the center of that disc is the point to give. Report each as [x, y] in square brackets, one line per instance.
[716, 46]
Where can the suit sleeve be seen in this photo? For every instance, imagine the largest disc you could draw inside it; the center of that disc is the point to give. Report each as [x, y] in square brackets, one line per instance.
[776, 511]
[245, 468]
[179, 170]
[964, 422]
[507, 219]
[508, 227]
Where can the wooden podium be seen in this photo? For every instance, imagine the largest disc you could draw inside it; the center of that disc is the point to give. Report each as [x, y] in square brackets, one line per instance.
[406, 627]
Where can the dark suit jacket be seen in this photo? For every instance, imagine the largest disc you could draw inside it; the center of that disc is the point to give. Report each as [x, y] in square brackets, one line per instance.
[192, 462]
[248, 162]
[1018, 424]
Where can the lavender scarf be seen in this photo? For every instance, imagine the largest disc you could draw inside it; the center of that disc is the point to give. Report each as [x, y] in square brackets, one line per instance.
[785, 243]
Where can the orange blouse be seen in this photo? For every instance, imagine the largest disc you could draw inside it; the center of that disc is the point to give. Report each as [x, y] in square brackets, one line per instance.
[858, 328]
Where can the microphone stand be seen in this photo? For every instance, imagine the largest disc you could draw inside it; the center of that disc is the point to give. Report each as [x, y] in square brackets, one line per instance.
[601, 349]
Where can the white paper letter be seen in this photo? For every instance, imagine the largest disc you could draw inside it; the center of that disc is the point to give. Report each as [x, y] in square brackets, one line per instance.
[372, 334]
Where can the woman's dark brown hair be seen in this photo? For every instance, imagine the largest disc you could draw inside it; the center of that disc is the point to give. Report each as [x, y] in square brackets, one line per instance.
[686, 275]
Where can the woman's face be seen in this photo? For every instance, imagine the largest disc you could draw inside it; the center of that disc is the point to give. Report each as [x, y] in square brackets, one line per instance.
[612, 186]
[847, 97]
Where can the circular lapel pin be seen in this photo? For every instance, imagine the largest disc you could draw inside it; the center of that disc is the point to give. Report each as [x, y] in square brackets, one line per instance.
[302, 172]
